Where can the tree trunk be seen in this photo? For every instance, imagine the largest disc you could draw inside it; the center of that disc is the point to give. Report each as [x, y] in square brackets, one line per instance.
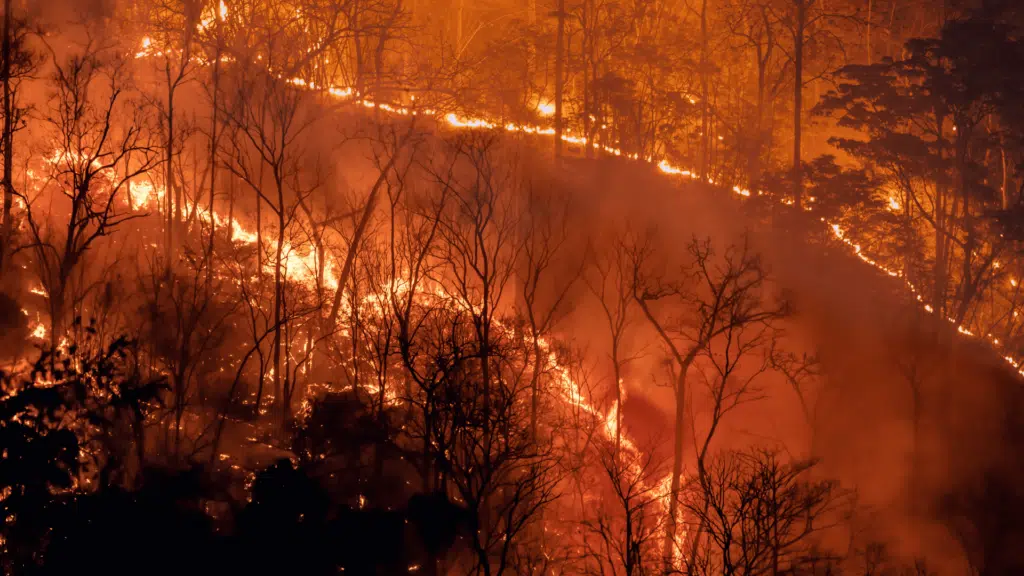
[939, 217]
[169, 179]
[278, 300]
[531, 49]
[1005, 187]
[588, 55]
[288, 378]
[259, 273]
[559, 72]
[535, 384]
[617, 374]
[970, 241]
[484, 332]
[705, 128]
[230, 208]
[357, 51]
[668, 552]
[213, 161]
[798, 86]
[8, 140]
[754, 166]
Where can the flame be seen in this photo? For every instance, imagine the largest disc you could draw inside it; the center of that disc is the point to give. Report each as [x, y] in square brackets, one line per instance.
[142, 193]
[300, 265]
[611, 421]
[459, 122]
[545, 108]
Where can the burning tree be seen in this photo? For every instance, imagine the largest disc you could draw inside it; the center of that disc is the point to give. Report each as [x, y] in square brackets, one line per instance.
[71, 424]
[102, 142]
[759, 515]
[17, 62]
[624, 531]
[268, 119]
[436, 299]
[716, 308]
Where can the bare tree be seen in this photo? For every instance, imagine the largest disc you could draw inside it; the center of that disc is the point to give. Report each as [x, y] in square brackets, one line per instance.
[625, 527]
[96, 129]
[612, 284]
[709, 298]
[812, 29]
[503, 476]
[187, 327]
[390, 147]
[174, 23]
[757, 26]
[478, 244]
[760, 515]
[544, 291]
[270, 118]
[17, 62]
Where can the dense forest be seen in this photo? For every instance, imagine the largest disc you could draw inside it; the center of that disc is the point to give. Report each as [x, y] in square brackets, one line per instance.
[702, 287]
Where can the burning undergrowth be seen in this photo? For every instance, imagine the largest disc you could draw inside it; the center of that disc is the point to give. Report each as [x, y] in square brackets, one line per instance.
[378, 318]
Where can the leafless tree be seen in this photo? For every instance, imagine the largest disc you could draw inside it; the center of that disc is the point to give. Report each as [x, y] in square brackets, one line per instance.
[626, 525]
[611, 282]
[756, 26]
[96, 129]
[267, 154]
[173, 43]
[803, 373]
[544, 288]
[187, 327]
[815, 50]
[760, 515]
[394, 144]
[478, 245]
[17, 63]
[707, 299]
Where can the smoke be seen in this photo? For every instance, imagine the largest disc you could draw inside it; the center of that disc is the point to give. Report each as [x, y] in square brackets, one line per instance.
[917, 418]
[922, 423]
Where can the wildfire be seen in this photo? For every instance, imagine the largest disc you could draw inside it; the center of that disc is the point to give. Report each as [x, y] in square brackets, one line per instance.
[146, 48]
[458, 122]
[301, 265]
[141, 194]
[545, 108]
[210, 16]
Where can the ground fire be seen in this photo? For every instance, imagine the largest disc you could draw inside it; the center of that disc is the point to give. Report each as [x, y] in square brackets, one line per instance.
[631, 287]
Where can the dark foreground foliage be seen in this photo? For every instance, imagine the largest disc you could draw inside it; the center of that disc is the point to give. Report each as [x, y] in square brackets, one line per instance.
[75, 501]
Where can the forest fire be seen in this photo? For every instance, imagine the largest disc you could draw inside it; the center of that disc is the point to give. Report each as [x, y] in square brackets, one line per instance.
[437, 287]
